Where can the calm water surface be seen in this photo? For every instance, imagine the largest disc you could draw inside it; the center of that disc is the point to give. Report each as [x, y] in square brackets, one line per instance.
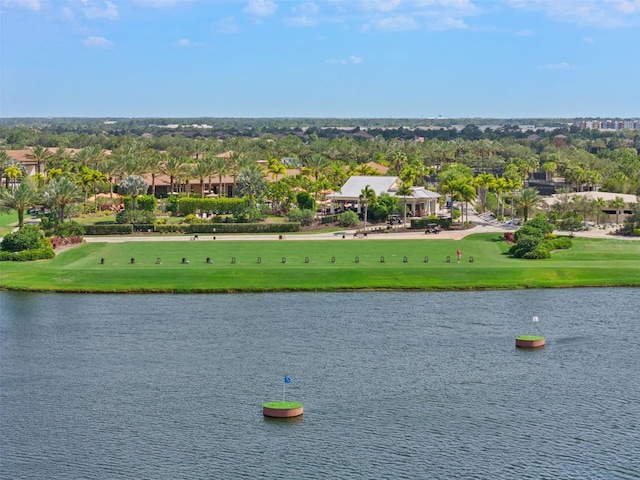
[395, 385]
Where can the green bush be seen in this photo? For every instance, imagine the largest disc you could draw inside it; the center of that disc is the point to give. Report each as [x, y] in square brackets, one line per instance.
[43, 253]
[559, 243]
[109, 229]
[139, 216]
[218, 206]
[28, 237]
[540, 252]
[172, 228]
[68, 229]
[329, 219]
[348, 219]
[524, 245]
[528, 231]
[147, 203]
[304, 217]
[305, 201]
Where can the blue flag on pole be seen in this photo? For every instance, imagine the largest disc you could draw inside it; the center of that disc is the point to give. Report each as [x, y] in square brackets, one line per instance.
[287, 380]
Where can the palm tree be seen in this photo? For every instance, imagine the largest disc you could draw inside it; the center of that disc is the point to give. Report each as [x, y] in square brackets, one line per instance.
[19, 199]
[367, 195]
[5, 161]
[91, 179]
[134, 186]
[619, 205]
[13, 172]
[41, 155]
[600, 205]
[153, 166]
[221, 167]
[404, 191]
[173, 167]
[316, 164]
[251, 184]
[484, 182]
[60, 193]
[202, 169]
[110, 169]
[527, 200]
[467, 194]
[276, 168]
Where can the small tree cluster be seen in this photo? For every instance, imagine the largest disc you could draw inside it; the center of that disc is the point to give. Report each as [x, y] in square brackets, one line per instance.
[536, 241]
[28, 237]
[348, 219]
[305, 217]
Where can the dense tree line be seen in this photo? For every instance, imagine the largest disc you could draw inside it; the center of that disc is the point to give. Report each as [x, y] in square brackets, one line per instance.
[492, 167]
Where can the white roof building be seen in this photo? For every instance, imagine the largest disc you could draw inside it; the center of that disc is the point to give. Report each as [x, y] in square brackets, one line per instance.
[421, 203]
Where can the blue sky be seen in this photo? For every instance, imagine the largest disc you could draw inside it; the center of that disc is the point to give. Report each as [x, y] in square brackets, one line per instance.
[323, 58]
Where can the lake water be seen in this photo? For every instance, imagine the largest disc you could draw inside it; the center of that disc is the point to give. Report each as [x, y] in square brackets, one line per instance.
[395, 385]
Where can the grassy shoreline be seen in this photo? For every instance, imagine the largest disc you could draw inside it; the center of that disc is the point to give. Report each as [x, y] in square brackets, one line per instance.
[322, 266]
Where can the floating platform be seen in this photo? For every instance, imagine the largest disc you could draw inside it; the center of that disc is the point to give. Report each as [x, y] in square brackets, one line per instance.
[529, 341]
[282, 409]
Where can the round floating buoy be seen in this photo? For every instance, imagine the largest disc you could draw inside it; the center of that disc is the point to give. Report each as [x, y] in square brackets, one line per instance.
[282, 409]
[529, 341]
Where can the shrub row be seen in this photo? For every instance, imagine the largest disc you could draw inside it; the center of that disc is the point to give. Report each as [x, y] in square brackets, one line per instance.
[62, 241]
[421, 223]
[44, 253]
[219, 206]
[244, 227]
[229, 228]
[113, 229]
[330, 219]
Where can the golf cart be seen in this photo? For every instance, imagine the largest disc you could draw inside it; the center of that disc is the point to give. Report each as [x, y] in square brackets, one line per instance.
[432, 228]
[395, 219]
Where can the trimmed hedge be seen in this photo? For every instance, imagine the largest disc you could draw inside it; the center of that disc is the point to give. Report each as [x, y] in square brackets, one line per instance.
[421, 223]
[243, 227]
[329, 219]
[218, 206]
[113, 229]
[171, 228]
[44, 253]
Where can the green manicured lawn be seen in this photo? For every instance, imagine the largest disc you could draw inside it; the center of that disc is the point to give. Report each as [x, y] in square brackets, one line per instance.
[8, 221]
[591, 262]
[282, 405]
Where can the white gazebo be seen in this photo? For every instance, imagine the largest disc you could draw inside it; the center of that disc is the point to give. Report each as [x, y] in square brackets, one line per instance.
[422, 202]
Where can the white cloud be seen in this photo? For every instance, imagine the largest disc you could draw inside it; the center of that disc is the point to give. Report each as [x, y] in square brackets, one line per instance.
[558, 66]
[448, 23]
[596, 13]
[158, 3]
[97, 42]
[588, 39]
[304, 15]
[396, 23]
[108, 12]
[68, 14]
[184, 42]
[260, 8]
[453, 4]
[352, 59]
[28, 4]
[226, 25]
[381, 5]
[525, 33]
